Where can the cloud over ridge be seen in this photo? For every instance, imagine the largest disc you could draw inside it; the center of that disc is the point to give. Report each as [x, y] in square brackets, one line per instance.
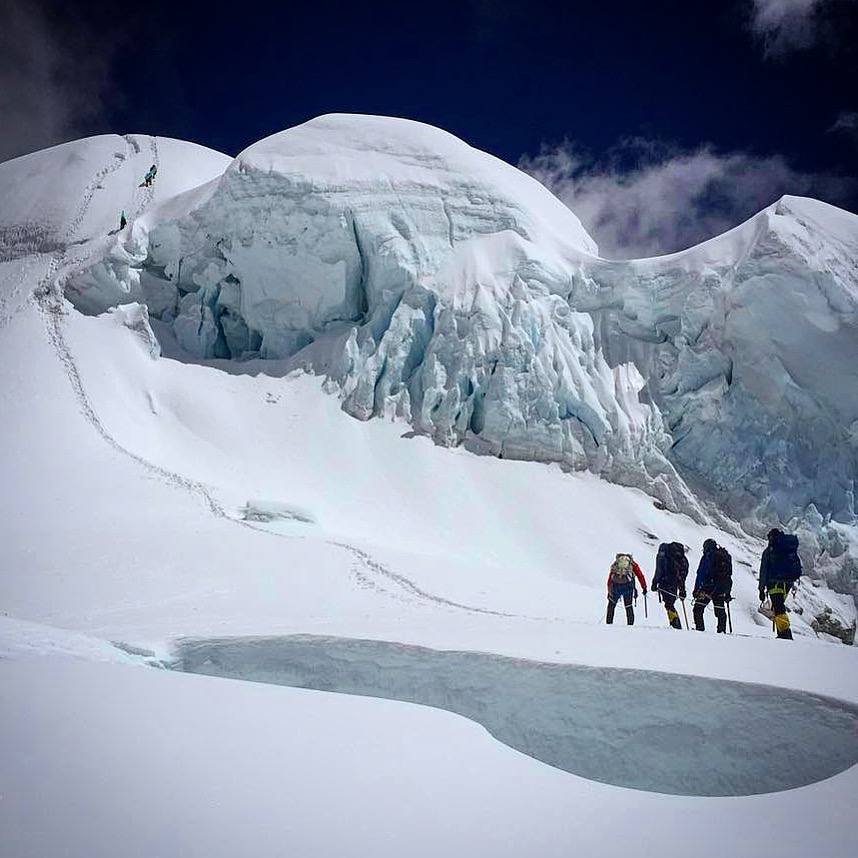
[647, 198]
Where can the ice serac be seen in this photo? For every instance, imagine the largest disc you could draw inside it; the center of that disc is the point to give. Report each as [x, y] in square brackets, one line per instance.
[749, 343]
[434, 282]
[427, 279]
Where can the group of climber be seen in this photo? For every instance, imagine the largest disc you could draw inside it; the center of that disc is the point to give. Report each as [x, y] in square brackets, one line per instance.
[146, 183]
[780, 568]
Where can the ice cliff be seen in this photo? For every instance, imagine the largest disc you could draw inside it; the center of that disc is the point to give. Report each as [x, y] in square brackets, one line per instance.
[433, 282]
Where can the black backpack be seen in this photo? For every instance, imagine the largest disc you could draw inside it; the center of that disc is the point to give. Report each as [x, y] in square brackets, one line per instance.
[784, 562]
[671, 565]
[722, 569]
[679, 562]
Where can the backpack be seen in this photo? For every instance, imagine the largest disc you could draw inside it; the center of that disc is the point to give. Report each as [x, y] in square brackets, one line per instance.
[784, 563]
[722, 568]
[671, 564]
[679, 562]
[621, 569]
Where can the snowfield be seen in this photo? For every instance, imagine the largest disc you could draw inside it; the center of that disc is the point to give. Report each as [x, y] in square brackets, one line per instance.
[171, 482]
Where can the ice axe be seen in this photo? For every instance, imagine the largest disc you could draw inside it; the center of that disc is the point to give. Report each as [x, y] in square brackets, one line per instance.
[682, 602]
[729, 617]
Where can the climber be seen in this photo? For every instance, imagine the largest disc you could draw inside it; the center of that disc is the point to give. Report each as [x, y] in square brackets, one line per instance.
[621, 584]
[714, 583]
[780, 568]
[671, 570]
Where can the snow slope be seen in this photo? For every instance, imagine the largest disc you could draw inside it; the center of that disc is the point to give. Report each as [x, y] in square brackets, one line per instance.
[148, 500]
[76, 191]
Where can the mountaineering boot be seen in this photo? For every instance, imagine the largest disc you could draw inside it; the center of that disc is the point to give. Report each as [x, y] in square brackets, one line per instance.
[673, 616]
[783, 634]
[782, 626]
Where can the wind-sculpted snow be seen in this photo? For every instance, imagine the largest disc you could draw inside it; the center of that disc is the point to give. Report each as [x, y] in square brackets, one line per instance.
[683, 735]
[432, 282]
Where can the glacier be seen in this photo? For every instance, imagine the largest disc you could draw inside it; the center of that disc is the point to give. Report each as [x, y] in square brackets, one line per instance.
[433, 283]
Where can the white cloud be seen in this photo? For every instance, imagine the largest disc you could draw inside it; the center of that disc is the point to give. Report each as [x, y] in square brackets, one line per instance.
[847, 124]
[784, 26]
[647, 199]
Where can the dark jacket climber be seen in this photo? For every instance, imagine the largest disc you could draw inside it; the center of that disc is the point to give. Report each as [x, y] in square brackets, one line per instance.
[671, 570]
[714, 583]
[780, 568]
[621, 584]
[150, 175]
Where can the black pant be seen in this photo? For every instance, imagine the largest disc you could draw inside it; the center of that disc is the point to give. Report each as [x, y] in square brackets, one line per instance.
[701, 600]
[614, 595]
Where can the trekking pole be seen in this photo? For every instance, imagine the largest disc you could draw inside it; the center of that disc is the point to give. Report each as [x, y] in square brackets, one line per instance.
[729, 617]
[646, 615]
[682, 602]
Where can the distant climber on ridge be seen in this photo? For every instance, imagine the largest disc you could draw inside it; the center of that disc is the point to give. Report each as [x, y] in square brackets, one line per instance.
[714, 583]
[621, 584]
[671, 570]
[780, 568]
[148, 178]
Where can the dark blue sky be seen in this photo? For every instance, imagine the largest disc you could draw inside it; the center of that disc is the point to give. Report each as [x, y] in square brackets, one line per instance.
[506, 76]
